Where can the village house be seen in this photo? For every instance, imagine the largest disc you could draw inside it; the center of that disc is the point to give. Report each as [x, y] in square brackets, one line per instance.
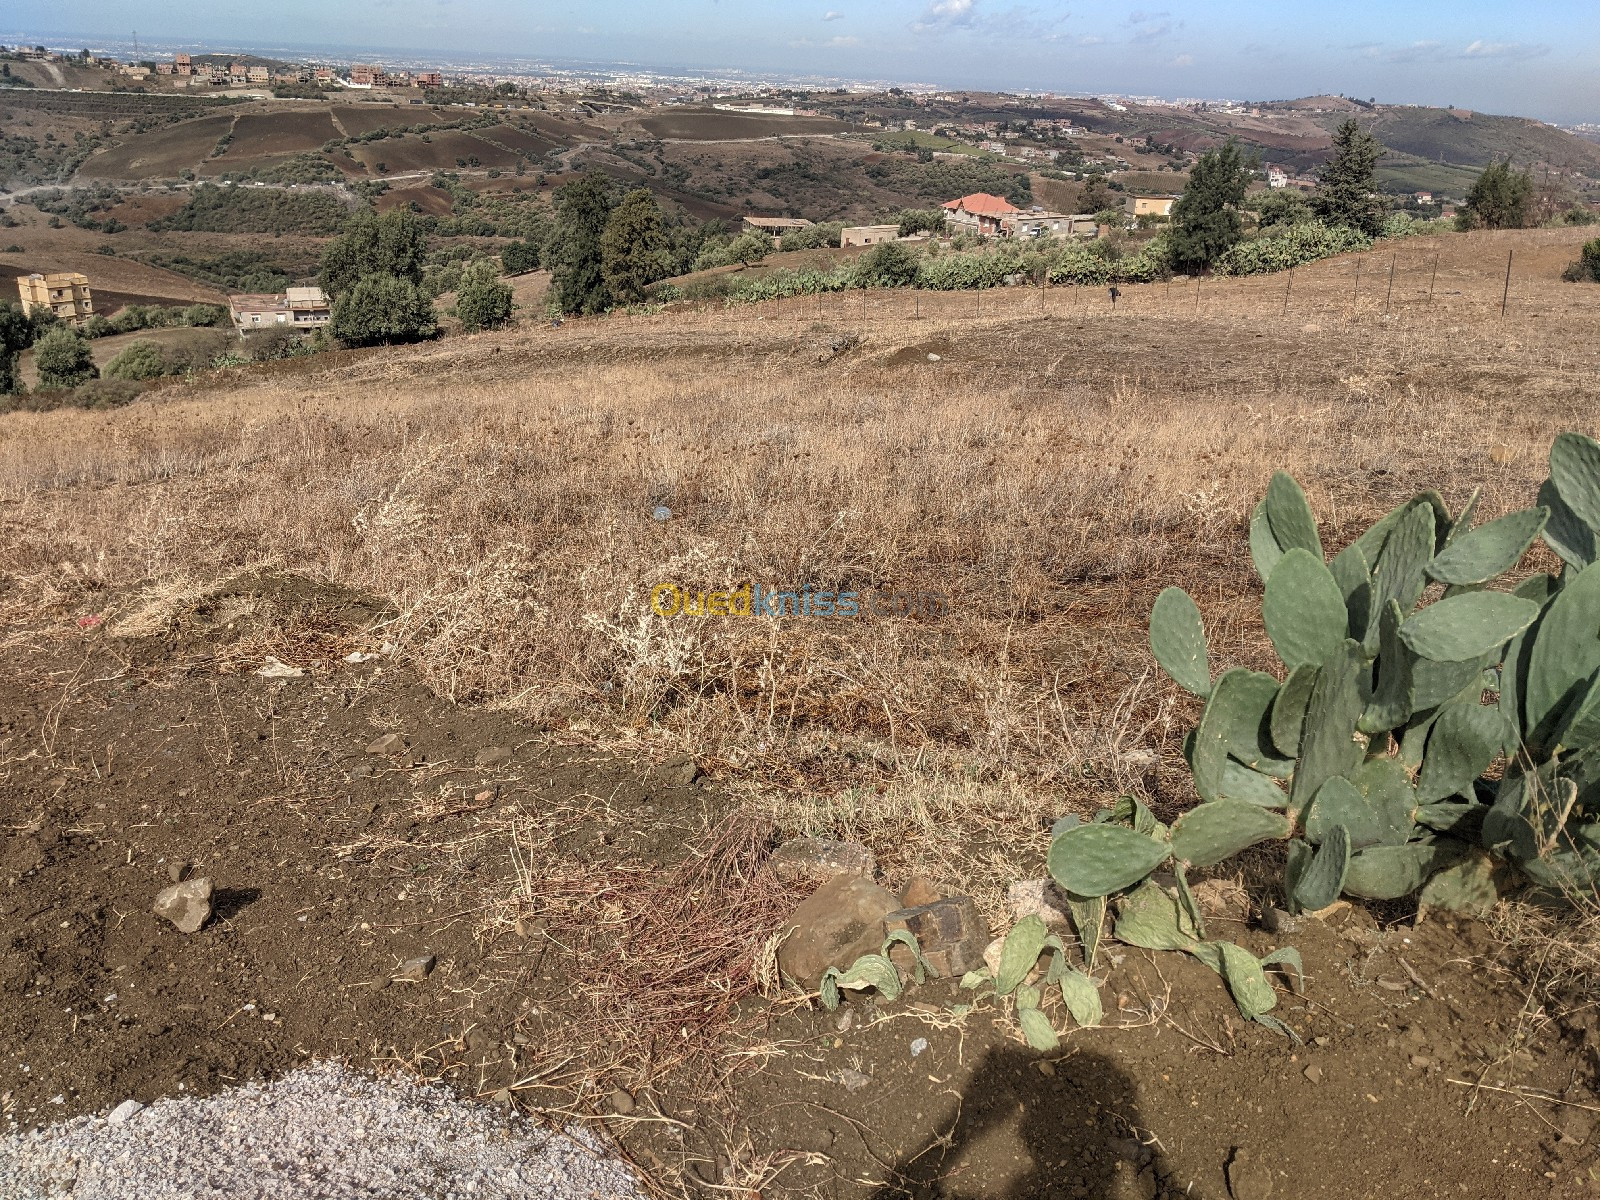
[428, 79]
[774, 227]
[65, 293]
[1140, 206]
[297, 308]
[1040, 224]
[868, 235]
[979, 213]
[260, 74]
[1277, 177]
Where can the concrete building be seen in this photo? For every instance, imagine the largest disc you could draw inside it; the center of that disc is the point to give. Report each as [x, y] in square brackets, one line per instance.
[1139, 206]
[868, 235]
[182, 64]
[774, 227]
[1049, 225]
[1277, 177]
[298, 308]
[65, 293]
[429, 79]
[363, 74]
[260, 74]
[979, 213]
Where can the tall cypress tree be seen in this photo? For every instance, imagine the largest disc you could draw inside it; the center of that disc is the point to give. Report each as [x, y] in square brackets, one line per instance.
[1346, 193]
[575, 254]
[1205, 220]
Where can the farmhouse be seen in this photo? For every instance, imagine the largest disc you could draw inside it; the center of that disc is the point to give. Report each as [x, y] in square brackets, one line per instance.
[1139, 206]
[868, 235]
[298, 308]
[1277, 177]
[774, 227]
[65, 293]
[1040, 224]
[979, 213]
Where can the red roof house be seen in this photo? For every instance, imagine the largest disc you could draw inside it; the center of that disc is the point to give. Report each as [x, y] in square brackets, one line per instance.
[980, 212]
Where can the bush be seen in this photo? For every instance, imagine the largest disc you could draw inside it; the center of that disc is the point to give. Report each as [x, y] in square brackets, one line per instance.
[888, 264]
[519, 258]
[231, 209]
[482, 301]
[382, 310]
[106, 393]
[63, 359]
[1587, 268]
[139, 361]
[1292, 247]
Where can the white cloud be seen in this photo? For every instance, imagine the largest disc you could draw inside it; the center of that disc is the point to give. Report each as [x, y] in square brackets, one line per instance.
[1506, 50]
[1183, 60]
[946, 14]
[831, 15]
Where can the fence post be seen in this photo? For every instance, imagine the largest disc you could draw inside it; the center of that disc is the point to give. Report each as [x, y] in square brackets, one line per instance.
[1389, 295]
[1434, 277]
[1197, 295]
[1506, 294]
[1287, 288]
[1355, 289]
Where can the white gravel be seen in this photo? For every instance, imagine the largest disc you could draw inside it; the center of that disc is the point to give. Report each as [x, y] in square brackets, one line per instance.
[321, 1133]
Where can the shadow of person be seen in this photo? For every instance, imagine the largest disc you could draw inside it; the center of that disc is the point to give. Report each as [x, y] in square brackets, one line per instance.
[1057, 1126]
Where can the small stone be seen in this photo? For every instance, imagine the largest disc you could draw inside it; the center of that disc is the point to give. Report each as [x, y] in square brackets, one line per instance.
[1421, 1061]
[492, 756]
[187, 905]
[950, 932]
[817, 860]
[1045, 1067]
[1502, 455]
[415, 970]
[844, 1020]
[677, 772]
[1043, 899]
[389, 743]
[918, 1047]
[992, 954]
[1321, 1040]
[177, 871]
[853, 1081]
[123, 1111]
[1278, 921]
[1313, 1073]
[842, 920]
[623, 1103]
[1248, 1179]
[933, 358]
[920, 891]
[502, 1098]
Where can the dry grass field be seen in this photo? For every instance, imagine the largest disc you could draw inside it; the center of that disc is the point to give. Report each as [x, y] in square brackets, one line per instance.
[485, 506]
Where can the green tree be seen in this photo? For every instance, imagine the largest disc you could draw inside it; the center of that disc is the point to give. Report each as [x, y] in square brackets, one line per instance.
[16, 335]
[1498, 199]
[141, 360]
[573, 253]
[919, 220]
[747, 249]
[1205, 220]
[633, 249]
[1282, 206]
[381, 310]
[482, 300]
[888, 264]
[520, 257]
[63, 359]
[1346, 192]
[393, 244]
[1587, 268]
[1020, 191]
[1095, 195]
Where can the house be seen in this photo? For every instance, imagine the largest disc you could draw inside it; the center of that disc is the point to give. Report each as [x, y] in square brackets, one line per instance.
[868, 235]
[1422, 197]
[979, 213]
[1139, 206]
[65, 293]
[297, 308]
[1277, 177]
[261, 74]
[428, 79]
[1041, 224]
[363, 74]
[774, 227]
[182, 64]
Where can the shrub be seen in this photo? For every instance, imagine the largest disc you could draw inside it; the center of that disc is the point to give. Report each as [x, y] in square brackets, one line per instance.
[382, 310]
[106, 393]
[888, 264]
[1291, 247]
[482, 301]
[1587, 268]
[519, 258]
[63, 359]
[139, 361]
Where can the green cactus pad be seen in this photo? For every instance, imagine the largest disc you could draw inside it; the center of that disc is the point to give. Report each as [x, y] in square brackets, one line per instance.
[1489, 550]
[1459, 818]
[1353, 573]
[1387, 787]
[1389, 872]
[1293, 525]
[1234, 722]
[1468, 626]
[1565, 532]
[1096, 860]
[1400, 572]
[1580, 723]
[1436, 683]
[1395, 692]
[1468, 887]
[1462, 525]
[1565, 653]
[1241, 783]
[1575, 470]
[1288, 716]
[1320, 878]
[1149, 918]
[1264, 549]
[1204, 836]
[1339, 804]
[1465, 740]
[1303, 609]
[1328, 747]
[1178, 640]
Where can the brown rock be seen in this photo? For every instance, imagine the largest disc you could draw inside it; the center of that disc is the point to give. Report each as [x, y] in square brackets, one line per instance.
[950, 932]
[841, 921]
[415, 970]
[677, 772]
[817, 860]
[622, 1102]
[1249, 1178]
[920, 891]
[389, 743]
[187, 905]
[1043, 899]
[492, 756]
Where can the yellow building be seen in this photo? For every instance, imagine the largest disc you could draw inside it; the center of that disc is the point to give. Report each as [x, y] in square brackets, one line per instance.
[1159, 206]
[65, 293]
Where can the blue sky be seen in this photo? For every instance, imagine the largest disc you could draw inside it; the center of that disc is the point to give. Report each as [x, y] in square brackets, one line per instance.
[1536, 59]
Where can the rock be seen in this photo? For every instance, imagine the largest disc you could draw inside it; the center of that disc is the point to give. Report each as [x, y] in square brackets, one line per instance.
[187, 905]
[920, 891]
[950, 932]
[623, 1103]
[1277, 920]
[123, 1111]
[1248, 1177]
[415, 970]
[1043, 899]
[1313, 1073]
[177, 871]
[492, 756]
[852, 1080]
[933, 358]
[1421, 1061]
[817, 860]
[677, 772]
[841, 921]
[389, 743]
[992, 953]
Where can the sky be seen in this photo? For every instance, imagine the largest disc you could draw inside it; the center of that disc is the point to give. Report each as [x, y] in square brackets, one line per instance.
[1538, 58]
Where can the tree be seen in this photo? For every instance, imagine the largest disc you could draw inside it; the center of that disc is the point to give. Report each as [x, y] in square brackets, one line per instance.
[888, 264]
[381, 310]
[141, 360]
[482, 300]
[1095, 195]
[1205, 220]
[633, 249]
[921, 220]
[1346, 191]
[573, 252]
[16, 335]
[393, 244]
[519, 258]
[1020, 191]
[63, 359]
[747, 248]
[1587, 268]
[1497, 200]
[1282, 206]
